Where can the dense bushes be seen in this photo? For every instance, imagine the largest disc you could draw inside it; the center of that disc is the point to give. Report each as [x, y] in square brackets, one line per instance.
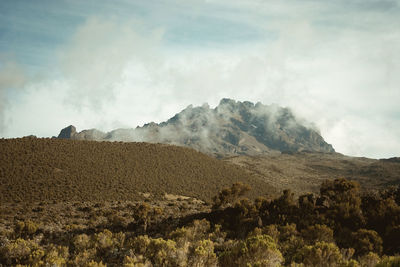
[312, 230]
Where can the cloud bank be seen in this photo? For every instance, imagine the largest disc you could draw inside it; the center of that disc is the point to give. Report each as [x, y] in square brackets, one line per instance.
[335, 64]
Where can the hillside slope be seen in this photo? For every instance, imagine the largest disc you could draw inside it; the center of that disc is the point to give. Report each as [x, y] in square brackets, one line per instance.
[33, 169]
[231, 128]
[305, 171]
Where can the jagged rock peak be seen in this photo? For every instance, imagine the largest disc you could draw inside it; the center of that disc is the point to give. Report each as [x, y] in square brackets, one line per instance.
[231, 128]
[67, 132]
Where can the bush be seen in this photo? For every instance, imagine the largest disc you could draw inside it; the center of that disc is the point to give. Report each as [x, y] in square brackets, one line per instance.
[365, 241]
[260, 250]
[392, 261]
[228, 196]
[25, 229]
[159, 251]
[19, 252]
[369, 260]
[202, 254]
[56, 256]
[81, 242]
[320, 254]
[136, 261]
[317, 233]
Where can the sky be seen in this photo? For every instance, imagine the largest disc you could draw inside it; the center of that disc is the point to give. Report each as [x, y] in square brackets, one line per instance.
[119, 64]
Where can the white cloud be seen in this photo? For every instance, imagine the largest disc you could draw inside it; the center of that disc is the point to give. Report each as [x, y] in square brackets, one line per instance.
[96, 57]
[12, 77]
[334, 63]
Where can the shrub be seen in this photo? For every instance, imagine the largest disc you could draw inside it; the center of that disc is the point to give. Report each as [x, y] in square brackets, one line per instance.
[103, 240]
[25, 228]
[84, 257]
[317, 233]
[56, 256]
[260, 250]
[81, 242]
[369, 260]
[345, 203]
[194, 232]
[320, 254]
[392, 261]
[159, 251]
[96, 264]
[290, 241]
[202, 254]
[19, 252]
[365, 241]
[136, 261]
[228, 196]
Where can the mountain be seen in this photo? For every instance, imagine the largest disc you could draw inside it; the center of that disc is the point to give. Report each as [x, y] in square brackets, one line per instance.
[231, 128]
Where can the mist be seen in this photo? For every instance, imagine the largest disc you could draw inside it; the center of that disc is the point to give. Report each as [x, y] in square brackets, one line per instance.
[120, 66]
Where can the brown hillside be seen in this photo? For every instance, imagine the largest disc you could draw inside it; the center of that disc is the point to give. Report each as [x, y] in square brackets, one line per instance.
[305, 171]
[33, 169]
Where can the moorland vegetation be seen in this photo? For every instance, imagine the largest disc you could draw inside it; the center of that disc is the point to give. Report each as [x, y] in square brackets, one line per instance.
[340, 226]
[81, 203]
[41, 169]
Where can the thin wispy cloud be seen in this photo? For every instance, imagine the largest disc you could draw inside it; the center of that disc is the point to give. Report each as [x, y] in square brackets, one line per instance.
[125, 63]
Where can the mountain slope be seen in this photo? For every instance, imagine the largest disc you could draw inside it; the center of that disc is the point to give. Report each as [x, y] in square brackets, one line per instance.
[34, 169]
[232, 128]
[305, 171]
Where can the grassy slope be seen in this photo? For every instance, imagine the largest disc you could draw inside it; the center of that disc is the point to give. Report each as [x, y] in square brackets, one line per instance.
[33, 169]
[304, 172]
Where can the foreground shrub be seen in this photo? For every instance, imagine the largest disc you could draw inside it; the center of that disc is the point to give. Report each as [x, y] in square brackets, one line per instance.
[228, 196]
[290, 241]
[83, 258]
[136, 261]
[81, 242]
[320, 254]
[259, 250]
[365, 241]
[392, 261]
[20, 251]
[317, 233]
[56, 256]
[25, 228]
[158, 251]
[202, 254]
[369, 260]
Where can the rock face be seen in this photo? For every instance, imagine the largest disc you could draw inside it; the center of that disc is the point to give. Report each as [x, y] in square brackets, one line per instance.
[68, 132]
[231, 128]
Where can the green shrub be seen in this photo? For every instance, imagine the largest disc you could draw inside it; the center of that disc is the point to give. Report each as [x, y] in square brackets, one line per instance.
[317, 233]
[56, 256]
[392, 261]
[369, 260]
[260, 250]
[320, 254]
[136, 261]
[202, 254]
[228, 196]
[20, 251]
[25, 228]
[82, 242]
[365, 241]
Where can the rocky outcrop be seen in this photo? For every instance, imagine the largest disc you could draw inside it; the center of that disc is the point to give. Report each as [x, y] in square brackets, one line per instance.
[68, 132]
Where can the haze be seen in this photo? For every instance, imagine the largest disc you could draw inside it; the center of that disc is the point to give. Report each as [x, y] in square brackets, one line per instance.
[112, 64]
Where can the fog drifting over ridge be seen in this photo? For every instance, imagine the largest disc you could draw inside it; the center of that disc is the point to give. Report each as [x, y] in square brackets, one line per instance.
[125, 64]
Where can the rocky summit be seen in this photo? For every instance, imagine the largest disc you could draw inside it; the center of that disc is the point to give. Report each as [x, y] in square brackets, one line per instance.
[231, 128]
